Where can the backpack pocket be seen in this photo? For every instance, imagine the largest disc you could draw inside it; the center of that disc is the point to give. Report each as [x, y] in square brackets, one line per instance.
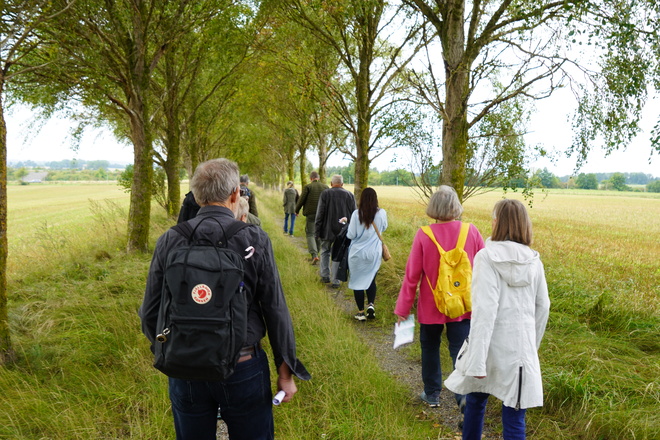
[454, 305]
[188, 338]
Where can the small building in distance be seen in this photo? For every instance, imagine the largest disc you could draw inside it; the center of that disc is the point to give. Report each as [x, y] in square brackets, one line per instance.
[35, 177]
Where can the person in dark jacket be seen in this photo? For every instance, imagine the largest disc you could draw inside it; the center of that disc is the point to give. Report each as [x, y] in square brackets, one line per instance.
[308, 202]
[335, 208]
[249, 195]
[245, 398]
[189, 208]
[289, 200]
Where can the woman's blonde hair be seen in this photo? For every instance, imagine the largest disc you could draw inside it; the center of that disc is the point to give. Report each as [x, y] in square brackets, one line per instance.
[512, 222]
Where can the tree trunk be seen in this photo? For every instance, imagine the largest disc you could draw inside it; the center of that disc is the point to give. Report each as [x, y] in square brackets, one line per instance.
[454, 124]
[303, 174]
[290, 164]
[139, 214]
[323, 155]
[363, 98]
[173, 181]
[6, 350]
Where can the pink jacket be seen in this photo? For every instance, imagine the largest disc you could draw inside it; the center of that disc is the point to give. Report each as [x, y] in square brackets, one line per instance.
[423, 261]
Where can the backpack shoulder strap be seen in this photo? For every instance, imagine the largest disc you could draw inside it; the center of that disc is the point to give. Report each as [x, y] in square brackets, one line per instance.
[233, 229]
[184, 229]
[427, 230]
[187, 231]
[462, 237]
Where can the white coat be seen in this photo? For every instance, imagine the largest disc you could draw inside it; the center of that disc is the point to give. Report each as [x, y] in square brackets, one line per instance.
[366, 250]
[510, 308]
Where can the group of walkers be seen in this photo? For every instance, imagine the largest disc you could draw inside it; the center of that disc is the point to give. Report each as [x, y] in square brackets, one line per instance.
[328, 211]
[493, 346]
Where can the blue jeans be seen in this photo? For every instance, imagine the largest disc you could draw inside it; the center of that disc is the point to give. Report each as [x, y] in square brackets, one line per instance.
[244, 400]
[429, 339]
[289, 229]
[513, 421]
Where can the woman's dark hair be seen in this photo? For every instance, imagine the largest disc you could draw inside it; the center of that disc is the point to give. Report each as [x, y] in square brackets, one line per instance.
[368, 206]
[511, 222]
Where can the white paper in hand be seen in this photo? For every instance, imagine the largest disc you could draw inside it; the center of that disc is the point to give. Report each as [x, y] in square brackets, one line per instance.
[404, 331]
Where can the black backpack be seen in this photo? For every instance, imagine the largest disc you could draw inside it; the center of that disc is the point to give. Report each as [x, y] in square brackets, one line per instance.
[202, 320]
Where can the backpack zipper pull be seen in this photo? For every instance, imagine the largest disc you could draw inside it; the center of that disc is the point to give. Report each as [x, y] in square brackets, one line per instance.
[163, 336]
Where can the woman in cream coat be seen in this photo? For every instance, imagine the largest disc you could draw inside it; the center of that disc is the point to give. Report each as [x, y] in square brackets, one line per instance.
[510, 308]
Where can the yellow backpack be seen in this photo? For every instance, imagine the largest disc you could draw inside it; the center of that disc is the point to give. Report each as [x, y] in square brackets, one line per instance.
[452, 290]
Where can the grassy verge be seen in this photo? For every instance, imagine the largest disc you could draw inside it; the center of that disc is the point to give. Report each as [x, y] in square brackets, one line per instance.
[84, 369]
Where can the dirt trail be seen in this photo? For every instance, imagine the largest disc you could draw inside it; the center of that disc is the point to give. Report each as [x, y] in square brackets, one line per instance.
[399, 366]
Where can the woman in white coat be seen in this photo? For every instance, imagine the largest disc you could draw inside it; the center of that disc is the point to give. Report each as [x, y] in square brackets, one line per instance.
[510, 308]
[366, 251]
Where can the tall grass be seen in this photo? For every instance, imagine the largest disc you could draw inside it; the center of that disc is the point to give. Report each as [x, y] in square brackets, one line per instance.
[84, 369]
[601, 353]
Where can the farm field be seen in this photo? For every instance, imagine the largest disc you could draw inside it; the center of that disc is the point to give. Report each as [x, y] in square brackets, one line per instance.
[82, 361]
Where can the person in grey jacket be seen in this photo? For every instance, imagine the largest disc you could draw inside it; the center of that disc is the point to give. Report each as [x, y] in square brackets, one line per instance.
[289, 203]
[510, 308]
[245, 398]
[335, 204]
[308, 202]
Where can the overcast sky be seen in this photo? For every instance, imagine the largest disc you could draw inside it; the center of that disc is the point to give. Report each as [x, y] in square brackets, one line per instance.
[549, 126]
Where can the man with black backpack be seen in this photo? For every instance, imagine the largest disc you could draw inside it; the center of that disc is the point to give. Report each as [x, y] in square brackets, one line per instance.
[212, 294]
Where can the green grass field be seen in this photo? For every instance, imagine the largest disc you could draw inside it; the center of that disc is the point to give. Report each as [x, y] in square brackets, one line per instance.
[84, 369]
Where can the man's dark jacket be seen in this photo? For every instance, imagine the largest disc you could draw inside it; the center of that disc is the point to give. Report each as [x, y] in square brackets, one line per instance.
[268, 310]
[309, 199]
[334, 204]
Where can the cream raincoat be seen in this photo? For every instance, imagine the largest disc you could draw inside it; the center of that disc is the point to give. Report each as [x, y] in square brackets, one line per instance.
[510, 308]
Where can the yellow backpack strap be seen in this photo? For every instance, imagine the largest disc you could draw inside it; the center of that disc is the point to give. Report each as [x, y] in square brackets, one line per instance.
[462, 237]
[427, 230]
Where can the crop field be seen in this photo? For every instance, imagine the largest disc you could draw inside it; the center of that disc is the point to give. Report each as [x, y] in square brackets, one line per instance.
[73, 294]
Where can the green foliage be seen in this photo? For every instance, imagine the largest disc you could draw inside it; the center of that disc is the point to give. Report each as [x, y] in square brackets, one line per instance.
[125, 179]
[618, 182]
[586, 181]
[158, 187]
[20, 173]
[547, 179]
[653, 186]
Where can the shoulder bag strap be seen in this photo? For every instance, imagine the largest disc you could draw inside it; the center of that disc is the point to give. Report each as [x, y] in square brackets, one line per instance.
[377, 232]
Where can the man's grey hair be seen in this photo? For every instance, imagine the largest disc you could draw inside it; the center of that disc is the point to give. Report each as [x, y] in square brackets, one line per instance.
[313, 175]
[337, 179]
[245, 178]
[444, 204]
[214, 181]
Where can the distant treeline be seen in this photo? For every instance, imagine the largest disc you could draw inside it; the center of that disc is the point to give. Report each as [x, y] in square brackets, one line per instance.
[74, 170]
[73, 164]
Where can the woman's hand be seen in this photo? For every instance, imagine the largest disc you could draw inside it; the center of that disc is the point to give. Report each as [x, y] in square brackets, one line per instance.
[400, 319]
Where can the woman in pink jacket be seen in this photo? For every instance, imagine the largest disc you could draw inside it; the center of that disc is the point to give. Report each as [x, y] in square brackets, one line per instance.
[444, 207]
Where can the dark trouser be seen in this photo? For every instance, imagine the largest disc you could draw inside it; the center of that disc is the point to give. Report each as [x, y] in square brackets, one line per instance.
[429, 338]
[371, 295]
[513, 422]
[313, 243]
[245, 402]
